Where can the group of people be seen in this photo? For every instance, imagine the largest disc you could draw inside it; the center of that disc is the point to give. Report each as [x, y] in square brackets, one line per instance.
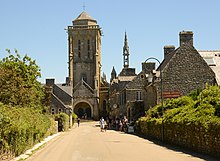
[117, 124]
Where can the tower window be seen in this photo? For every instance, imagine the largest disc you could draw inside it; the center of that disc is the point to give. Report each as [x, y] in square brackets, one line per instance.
[88, 47]
[84, 77]
[88, 43]
[79, 45]
[88, 54]
[79, 54]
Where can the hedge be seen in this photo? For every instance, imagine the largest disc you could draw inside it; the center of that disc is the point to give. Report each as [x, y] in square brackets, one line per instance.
[21, 128]
[191, 121]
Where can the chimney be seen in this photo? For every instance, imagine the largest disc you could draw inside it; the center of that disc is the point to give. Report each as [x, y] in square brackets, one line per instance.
[50, 82]
[186, 37]
[168, 49]
[68, 81]
[147, 67]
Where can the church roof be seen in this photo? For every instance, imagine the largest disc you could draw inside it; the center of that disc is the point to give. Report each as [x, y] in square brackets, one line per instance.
[84, 16]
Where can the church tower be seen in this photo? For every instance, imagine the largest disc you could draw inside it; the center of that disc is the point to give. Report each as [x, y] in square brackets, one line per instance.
[84, 43]
[126, 52]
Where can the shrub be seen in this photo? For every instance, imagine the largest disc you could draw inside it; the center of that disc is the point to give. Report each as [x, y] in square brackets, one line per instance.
[63, 121]
[21, 128]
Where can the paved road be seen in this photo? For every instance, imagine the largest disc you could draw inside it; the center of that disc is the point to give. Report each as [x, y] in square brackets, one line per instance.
[87, 143]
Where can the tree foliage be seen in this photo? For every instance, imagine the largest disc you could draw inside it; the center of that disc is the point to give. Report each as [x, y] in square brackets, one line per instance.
[21, 128]
[18, 81]
[200, 106]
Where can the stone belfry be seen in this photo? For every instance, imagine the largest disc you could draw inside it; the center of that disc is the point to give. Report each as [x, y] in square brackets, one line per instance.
[126, 52]
[84, 50]
[84, 43]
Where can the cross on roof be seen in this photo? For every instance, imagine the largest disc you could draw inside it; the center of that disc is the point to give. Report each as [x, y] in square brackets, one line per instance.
[84, 7]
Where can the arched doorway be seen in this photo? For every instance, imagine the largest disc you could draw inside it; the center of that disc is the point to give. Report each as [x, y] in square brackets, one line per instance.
[83, 109]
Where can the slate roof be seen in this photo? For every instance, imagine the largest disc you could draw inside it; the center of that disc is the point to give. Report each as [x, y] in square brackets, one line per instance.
[84, 16]
[66, 89]
[214, 55]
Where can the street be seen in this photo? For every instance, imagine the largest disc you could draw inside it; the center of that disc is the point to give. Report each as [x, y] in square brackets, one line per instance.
[88, 143]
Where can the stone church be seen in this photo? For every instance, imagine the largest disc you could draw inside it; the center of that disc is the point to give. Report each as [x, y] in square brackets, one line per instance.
[85, 91]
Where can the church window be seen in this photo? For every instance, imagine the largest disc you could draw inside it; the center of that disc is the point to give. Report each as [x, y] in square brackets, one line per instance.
[79, 54]
[60, 110]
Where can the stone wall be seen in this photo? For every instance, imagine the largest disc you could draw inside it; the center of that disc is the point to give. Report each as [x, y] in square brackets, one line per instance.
[192, 136]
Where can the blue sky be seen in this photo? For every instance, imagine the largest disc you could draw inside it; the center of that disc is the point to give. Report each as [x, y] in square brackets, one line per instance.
[37, 28]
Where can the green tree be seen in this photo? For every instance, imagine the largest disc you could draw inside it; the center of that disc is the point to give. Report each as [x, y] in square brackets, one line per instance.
[18, 81]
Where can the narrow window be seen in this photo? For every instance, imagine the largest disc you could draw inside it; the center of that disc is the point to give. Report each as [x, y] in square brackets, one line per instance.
[79, 45]
[79, 48]
[88, 43]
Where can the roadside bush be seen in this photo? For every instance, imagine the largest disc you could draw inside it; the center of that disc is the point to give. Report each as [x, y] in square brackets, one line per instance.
[191, 121]
[74, 117]
[63, 121]
[21, 128]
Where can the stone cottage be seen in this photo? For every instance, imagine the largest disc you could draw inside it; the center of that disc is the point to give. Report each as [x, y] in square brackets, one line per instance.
[183, 70]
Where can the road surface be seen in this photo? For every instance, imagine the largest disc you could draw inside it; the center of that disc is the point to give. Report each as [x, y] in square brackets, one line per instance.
[88, 143]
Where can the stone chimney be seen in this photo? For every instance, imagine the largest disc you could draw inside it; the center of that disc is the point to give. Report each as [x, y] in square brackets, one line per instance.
[68, 81]
[186, 37]
[147, 67]
[168, 49]
[50, 82]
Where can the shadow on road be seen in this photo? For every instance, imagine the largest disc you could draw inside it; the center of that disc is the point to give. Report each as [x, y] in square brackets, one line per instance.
[178, 149]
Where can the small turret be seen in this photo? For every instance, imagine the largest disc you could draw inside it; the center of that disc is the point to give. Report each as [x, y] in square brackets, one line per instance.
[113, 74]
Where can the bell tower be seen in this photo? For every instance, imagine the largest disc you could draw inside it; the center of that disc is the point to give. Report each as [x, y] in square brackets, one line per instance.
[84, 53]
[84, 38]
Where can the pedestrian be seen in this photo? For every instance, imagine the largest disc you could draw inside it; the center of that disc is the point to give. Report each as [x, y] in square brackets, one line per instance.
[78, 120]
[102, 124]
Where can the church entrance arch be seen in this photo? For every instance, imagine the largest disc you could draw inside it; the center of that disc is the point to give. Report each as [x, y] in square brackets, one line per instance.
[83, 109]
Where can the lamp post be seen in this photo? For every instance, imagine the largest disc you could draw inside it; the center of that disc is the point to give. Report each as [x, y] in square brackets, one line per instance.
[161, 92]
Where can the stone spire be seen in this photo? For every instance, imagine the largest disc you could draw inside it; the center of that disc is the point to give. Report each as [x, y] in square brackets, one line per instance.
[113, 74]
[126, 52]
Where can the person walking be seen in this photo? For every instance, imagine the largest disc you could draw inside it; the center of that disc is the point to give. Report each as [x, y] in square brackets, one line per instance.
[102, 124]
[78, 121]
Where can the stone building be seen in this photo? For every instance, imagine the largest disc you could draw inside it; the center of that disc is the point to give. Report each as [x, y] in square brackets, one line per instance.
[183, 70]
[85, 91]
[127, 90]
